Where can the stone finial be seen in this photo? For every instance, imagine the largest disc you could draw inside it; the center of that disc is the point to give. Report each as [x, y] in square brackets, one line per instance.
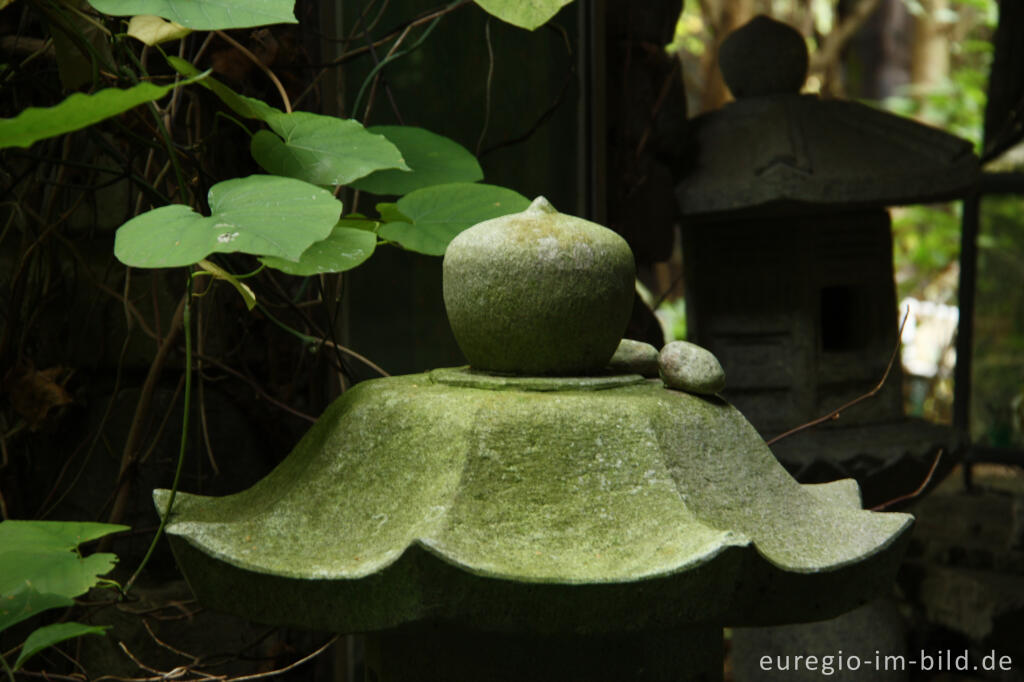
[763, 57]
[538, 292]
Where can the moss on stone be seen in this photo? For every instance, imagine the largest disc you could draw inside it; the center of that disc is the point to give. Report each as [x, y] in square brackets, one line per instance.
[538, 292]
[630, 485]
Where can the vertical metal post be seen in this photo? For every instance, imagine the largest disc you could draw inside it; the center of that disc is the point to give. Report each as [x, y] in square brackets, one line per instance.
[965, 327]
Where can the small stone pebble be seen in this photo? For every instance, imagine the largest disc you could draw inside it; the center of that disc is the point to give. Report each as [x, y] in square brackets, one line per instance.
[688, 367]
[635, 357]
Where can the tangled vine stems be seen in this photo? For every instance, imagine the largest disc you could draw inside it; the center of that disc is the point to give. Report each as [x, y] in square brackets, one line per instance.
[186, 323]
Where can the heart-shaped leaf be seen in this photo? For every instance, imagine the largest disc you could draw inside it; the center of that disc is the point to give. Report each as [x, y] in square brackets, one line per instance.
[323, 150]
[437, 214]
[434, 160]
[347, 246]
[528, 14]
[262, 214]
[206, 15]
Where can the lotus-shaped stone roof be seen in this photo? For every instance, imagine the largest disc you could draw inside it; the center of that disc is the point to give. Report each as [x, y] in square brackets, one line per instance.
[550, 504]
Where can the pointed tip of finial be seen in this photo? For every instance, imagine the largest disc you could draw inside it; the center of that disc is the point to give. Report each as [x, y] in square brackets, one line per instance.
[543, 205]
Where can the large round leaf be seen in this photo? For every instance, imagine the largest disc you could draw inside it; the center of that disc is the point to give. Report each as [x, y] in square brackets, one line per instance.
[262, 214]
[323, 150]
[437, 214]
[434, 160]
[206, 15]
[344, 249]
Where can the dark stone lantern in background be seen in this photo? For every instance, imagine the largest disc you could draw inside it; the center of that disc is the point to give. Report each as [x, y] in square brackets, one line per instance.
[788, 259]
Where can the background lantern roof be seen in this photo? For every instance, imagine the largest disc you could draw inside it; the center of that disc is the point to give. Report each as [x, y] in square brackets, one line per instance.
[774, 148]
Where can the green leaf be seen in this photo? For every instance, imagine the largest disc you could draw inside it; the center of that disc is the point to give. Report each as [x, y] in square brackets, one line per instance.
[39, 569]
[262, 215]
[77, 111]
[248, 107]
[26, 603]
[389, 213]
[347, 246]
[152, 30]
[434, 160]
[323, 150]
[217, 272]
[528, 14]
[49, 635]
[52, 535]
[206, 15]
[437, 214]
[360, 222]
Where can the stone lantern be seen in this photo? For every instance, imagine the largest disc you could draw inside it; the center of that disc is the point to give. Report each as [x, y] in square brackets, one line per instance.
[788, 259]
[537, 515]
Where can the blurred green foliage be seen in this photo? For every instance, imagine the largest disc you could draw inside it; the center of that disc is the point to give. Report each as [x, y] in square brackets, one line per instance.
[997, 388]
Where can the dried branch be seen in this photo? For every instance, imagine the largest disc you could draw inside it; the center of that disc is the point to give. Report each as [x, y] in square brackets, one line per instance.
[349, 55]
[296, 664]
[129, 455]
[256, 387]
[920, 489]
[262, 67]
[181, 672]
[834, 414]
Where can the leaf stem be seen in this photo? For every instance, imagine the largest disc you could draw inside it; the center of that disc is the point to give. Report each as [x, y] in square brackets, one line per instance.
[186, 323]
[314, 341]
[7, 669]
[261, 66]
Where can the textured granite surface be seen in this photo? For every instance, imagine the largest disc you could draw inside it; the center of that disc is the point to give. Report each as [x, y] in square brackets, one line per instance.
[538, 292]
[548, 510]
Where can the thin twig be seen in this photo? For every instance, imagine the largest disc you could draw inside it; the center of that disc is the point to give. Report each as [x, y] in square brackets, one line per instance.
[256, 387]
[186, 326]
[920, 489]
[132, 444]
[180, 671]
[834, 414]
[377, 71]
[172, 404]
[142, 665]
[203, 421]
[52, 676]
[487, 90]
[387, 88]
[296, 664]
[262, 67]
[323, 342]
[195, 659]
[666, 87]
[347, 56]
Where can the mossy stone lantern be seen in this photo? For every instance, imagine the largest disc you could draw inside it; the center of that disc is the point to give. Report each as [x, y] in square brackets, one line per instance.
[535, 516]
[787, 254]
